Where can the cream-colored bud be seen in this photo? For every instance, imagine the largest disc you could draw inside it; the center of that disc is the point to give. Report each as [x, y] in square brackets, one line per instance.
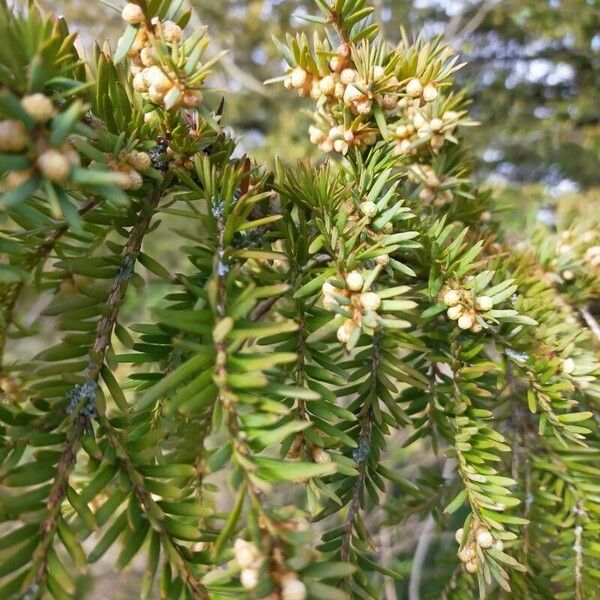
[299, 77]
[348, 135]
[246, 554]
[148, 56]
[390, 102]
[345, 331]
[477, 327]
[336, 64]
[370, 301]
[378, 72]
[401, 131]
[13, 136]
[382, 259]
[568, 366]
[426, 194]
[498, 545]
[327, 85]
[471, 566]
[354, 281]
[414, 88]
[485, 216]
[340, 146]
[327, 145]
[139, 83]
[467, 553]
[172, 32]
[458, 536]
[339, 90]
[454, 312]
[54, 165]
[132, 13]
[155, 96]
[348, 76]
[484, 303]
[364, 107]
[140, 161]
[436, 125]
[319, 455]
[135, 180]
[419, 121]
[249, 578]
[466, 321]
[568, 275]
[293, 589]
[484, 537]
[450, 116]
[368, 208]
[353, 94]
[156, 78]
[39, 107]
[430, 93]
[316, 135]
[451, 298]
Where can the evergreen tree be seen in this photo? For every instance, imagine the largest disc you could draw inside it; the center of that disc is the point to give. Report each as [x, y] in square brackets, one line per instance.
[325, 312]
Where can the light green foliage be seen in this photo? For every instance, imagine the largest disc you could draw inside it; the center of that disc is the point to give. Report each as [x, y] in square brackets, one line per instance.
[243, 440]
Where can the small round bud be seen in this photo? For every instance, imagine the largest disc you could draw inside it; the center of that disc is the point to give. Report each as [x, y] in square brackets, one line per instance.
[345, 331]
[353, 94]
[414, 88]
[484, 303]
[249, 578]
[156, 78]
[348, 135]
[136, 181]
[139, 83]
[245, 553]
[378, 72]
[319, 455]
[419, 121]
[327, 85]
[402, 131]
[172, 32]
[568, 366]
[348, 76]
[364, 107]
[390, 102]
[454, 312]
[192, 98]
[451, 298]
[148, 56]
[327, 145]
[471, 566]
[13, 136]
[477, 327]
[39, 107]
[293, 589]
[466, 321]
[430, 93]
[458, 536]
[568, 275]
[299, 77]
[370, 301]
[485, 216]
[155, 96]
[382, 259]
[133, 13]
[329, 289]
[340, 146]
[467, 553]
[354, 281]
[498, 545]
[140, 161]
[484, 537]
[368, 208]
[54, 165]
[436, 125]
[426, 195]
[336, 64]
